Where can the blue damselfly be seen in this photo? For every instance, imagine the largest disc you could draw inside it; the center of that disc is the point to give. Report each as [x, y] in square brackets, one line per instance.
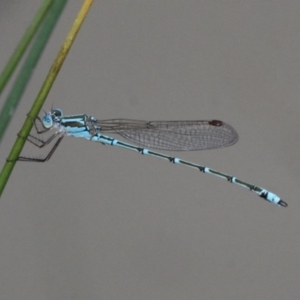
[164, 135]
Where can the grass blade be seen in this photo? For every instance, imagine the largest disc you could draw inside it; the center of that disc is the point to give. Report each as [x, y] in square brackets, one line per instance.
[41, 97]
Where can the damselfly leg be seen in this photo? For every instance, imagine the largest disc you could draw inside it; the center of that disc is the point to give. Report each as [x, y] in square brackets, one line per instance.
[40, 143]
[48, 156]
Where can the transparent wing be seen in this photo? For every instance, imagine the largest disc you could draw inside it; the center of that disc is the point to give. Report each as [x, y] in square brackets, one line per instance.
[173, 135]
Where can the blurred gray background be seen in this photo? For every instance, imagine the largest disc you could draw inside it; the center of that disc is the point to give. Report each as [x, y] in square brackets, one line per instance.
[98, 222]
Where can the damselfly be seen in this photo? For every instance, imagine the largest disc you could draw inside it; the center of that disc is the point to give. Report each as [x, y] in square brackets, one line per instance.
[164, 135]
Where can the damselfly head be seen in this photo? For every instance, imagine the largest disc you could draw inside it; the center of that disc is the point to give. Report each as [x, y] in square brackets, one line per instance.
[52, 117]
[47, 120]
[56, 113]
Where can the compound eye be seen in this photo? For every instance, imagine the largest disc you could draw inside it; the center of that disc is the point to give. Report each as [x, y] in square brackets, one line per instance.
[47, 121]
[56, 112]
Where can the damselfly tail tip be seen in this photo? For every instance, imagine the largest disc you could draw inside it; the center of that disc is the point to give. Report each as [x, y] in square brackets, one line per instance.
[282, 203]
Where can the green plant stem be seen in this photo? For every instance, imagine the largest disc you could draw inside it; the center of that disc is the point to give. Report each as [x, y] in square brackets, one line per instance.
[31, 61]
[41, 97]
[23, 44]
